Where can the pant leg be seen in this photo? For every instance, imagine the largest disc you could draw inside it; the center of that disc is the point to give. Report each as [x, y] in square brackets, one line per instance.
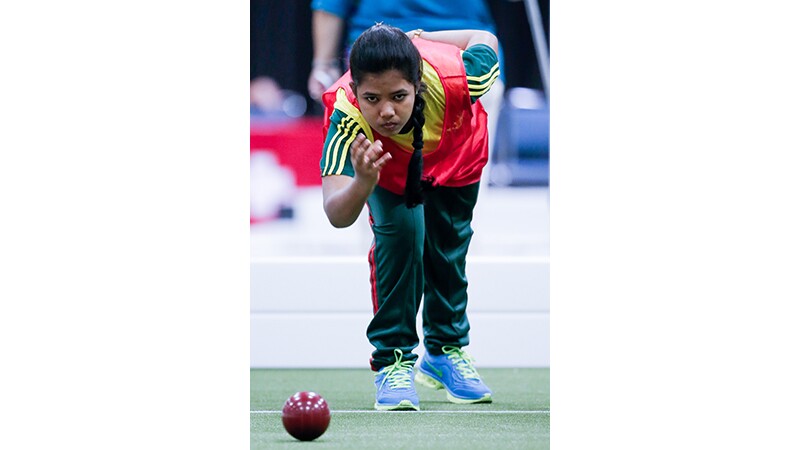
[448, 231]
[396, 276]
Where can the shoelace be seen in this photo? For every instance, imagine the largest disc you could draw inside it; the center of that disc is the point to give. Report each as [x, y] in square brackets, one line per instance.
[398, 374]
[463, 362]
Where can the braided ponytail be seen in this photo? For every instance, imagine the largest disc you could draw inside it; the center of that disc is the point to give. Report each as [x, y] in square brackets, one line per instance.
[413, 192]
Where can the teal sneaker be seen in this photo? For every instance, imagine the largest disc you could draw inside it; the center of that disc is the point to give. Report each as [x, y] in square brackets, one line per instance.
[454, 372]
[395, 389]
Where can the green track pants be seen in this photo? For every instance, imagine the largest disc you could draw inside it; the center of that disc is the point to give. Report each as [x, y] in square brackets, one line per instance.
[419, 251]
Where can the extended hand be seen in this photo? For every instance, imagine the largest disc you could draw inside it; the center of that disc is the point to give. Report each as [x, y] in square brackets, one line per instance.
[368, 158]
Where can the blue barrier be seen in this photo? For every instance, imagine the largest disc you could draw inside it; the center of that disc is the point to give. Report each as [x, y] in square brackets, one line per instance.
[521, 153]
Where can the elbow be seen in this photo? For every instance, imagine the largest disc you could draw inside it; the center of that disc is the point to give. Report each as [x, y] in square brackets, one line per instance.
[483, 37]
[336, 220]
[339, 223]
[491, 41]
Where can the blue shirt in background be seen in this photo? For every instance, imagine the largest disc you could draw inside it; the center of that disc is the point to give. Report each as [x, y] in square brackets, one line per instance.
[409, 15]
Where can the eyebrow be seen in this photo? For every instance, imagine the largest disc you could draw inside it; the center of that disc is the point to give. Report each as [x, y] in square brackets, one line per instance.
[400, 91]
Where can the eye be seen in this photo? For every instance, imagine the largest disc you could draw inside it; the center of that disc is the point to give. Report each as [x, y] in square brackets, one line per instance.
[371, 98]
[400, 97]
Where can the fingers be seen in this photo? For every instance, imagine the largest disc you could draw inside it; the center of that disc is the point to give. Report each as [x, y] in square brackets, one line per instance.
[382, 161]
[358, 149]
[368, 155]
[373, 152]
[359, 145]
[363, 150]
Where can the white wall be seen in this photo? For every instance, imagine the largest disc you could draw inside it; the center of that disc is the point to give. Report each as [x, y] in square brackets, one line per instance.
[314, 311]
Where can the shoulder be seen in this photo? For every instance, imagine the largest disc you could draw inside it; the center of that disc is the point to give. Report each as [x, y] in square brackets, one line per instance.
[346, 118]
[344, 124]
[342, 131]
[482, 69]
[479, 58]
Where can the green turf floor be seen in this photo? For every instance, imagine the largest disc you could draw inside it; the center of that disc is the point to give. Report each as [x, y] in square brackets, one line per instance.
[519, 417]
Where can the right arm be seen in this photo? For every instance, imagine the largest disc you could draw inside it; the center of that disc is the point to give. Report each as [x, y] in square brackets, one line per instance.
[343, 197]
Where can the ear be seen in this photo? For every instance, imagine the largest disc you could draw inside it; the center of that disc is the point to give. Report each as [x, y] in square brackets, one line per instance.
[353, 86]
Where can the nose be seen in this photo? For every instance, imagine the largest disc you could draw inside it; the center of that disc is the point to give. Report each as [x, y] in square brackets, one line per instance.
[387, 111]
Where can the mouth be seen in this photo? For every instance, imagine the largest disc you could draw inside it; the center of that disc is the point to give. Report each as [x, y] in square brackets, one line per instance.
[391, 126]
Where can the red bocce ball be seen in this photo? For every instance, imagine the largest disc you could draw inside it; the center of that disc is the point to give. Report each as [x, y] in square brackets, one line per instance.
[306, 416]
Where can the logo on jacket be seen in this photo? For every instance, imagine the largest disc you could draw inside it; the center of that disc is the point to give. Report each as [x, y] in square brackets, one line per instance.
[457, 123]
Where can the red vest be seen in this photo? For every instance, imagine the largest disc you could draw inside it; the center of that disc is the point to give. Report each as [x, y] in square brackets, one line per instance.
[463, 148]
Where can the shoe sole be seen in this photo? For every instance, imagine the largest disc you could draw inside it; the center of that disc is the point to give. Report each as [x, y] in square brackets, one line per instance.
[430, 382]
[404, 405]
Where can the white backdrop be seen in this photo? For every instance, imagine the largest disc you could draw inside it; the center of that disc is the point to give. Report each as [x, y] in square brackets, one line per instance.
[309, 285]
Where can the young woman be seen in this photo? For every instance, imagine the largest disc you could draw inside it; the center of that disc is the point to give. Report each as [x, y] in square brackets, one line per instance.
[407, 135]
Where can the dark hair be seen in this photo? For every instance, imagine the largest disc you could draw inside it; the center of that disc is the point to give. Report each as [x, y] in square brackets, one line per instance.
[381, 48]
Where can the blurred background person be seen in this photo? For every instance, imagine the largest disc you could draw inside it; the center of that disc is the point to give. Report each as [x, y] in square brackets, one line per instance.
[337, 23]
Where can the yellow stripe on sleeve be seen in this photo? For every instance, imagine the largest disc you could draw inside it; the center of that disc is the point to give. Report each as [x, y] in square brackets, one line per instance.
[492, 73]
[345, 153]
[335, 149]
[480, 89]
[340, 148]
[344, 105]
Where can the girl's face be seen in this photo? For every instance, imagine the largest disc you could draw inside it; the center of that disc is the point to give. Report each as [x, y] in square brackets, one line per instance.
[386, 100]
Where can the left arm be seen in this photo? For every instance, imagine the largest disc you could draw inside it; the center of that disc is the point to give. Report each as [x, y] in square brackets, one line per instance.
[462, 39]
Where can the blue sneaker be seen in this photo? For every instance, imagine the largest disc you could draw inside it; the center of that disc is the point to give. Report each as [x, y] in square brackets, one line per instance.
[395, 388]
[454, 372]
